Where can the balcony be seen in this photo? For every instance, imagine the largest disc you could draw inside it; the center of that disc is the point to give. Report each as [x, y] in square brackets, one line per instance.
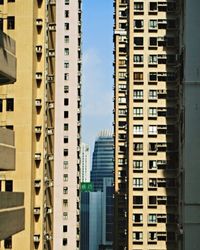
[7, 59]
[12, 213]
[7, 149]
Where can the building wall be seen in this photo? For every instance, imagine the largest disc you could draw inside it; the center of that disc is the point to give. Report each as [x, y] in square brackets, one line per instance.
[31, 117]
[67, 140]
[146, 162]
[190, 113]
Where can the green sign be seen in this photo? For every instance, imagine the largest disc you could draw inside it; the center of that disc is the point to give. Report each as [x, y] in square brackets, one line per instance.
[86, 187]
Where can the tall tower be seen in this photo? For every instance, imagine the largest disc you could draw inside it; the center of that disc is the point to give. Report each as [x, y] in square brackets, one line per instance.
[145, 127]
[102, 160]
[67, 132]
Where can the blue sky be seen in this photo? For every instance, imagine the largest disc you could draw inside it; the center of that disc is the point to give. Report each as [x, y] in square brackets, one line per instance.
[97, 79]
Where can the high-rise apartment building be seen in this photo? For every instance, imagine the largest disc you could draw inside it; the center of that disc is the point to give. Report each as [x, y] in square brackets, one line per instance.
[67, 132]
[12, 212]
[146, 132]
[48, 41]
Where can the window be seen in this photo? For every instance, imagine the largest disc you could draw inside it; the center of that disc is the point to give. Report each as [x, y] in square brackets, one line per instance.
[66, 114]
[66, 51]
[8, 243]
[138, 76]
[138, 41]
[152, 112]
[138, 58]
[1, 2]
[138, 24]
[64, 228]
[66, 64]
[11, 23]
[152, 218]
[66, 101]
[9, 186]
[137, 182]
[137, 235]
[152, 94]
[122, 87]
[153, 6]
[11, 1]
[152, 183]
[138, 94]
[138, 6]
[66, 89]
[122, 62]
[66, 127]
[138, 112]
[65, 139]
[153, 59]
[66, 26]
[65, 177]
[122, 75]
[66, 13]
[152, 200]
[138, 147]
[122, 111]
[65, 215]
[152, 76]
[153, 41]
[137, 218]
[138, 164]
[153, 24]
[152, 165]
[1, 105]
[137, 200]
[152, 236]
[66, 76]
[10, 104]
[66, 39]
[65, 152]
[65, 190]
[65, 164]
[152, 130]
[66, 2]
[122, 100]
[152, 147]
[65, 202]
[138, 130]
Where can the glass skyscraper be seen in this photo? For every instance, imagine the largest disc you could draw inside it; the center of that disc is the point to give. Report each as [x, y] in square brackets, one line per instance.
[102, 161]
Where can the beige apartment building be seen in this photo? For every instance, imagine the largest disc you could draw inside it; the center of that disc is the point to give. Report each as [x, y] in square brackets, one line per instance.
[12, 210]
[28, 107]
[145, 129]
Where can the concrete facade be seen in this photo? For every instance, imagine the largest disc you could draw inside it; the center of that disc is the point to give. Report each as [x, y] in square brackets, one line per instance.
[189, 224]
[145, 124]
[67, 127]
